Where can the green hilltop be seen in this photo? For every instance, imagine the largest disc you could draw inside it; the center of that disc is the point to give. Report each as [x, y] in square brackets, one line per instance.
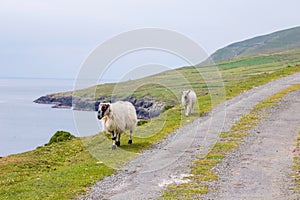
[278, 41]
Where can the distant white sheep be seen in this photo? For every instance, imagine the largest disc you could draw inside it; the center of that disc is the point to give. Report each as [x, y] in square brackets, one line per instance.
[117, 118]
[188, 100]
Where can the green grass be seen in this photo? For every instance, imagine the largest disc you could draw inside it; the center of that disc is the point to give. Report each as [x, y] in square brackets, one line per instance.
[202, 169]
[259, 60]
[60, 136]
[65, 169]
[296, 166]
[57, 171]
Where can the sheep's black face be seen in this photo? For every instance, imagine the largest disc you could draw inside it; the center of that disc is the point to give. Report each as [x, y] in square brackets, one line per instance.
[103, 108]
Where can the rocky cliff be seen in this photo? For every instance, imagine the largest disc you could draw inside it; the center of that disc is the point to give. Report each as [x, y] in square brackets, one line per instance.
[146, 108]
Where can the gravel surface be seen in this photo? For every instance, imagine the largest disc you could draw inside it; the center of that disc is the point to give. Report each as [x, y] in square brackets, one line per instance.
[167, 162]
[260, 168]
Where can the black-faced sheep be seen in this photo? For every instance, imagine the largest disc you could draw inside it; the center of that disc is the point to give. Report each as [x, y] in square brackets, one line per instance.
[188, 100]
[118, 117]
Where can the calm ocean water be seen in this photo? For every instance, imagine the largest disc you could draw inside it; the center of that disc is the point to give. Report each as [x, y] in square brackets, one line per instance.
[25, 125]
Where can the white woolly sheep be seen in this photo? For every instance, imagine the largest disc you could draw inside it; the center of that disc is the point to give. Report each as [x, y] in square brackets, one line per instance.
[188, 100]
[118, 117]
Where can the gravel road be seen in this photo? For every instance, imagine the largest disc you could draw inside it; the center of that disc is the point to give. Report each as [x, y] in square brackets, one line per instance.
[167, 162]
[260, 168]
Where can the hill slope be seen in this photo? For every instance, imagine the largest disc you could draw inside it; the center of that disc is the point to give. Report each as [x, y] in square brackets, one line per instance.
[155, 93]
[278, 41]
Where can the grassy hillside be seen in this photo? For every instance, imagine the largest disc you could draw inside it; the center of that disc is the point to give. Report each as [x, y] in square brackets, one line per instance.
[278, 41]
[167, 86]
[65, 169]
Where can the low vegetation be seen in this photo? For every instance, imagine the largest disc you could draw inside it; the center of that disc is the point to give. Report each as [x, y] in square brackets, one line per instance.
[65, 169]
[296, 166]
[56, 171]
[60, 136]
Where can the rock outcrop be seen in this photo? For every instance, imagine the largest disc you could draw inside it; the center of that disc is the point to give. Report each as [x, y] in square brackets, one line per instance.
[146, 108]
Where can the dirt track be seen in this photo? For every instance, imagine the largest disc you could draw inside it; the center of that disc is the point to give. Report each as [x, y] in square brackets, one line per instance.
[147, 175]
[260, 168]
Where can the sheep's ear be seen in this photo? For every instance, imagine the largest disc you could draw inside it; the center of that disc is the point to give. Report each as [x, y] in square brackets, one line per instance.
[108, 110]
[107, 107]
[100, 105]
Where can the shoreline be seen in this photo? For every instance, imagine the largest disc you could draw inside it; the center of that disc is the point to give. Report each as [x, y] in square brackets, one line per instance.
[146, 108]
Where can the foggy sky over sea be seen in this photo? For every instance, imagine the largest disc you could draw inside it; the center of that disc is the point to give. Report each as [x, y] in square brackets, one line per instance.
[51, 39]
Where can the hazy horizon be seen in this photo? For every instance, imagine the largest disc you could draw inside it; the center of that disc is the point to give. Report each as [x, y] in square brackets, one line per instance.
[51, 39]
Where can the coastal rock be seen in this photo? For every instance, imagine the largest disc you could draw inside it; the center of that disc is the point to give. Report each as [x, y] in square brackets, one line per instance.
[65, 102]
[146, 108]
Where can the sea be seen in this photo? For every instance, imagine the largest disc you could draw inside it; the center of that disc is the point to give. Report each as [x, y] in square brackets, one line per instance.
[25, 125]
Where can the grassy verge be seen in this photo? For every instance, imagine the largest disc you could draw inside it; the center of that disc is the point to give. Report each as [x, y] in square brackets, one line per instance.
[65, 169]
[57, 171]
[202, 169]
[296, 166]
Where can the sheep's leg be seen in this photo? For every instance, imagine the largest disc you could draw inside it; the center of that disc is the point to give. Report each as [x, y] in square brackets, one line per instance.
[187, 110]
[130, 138]
[192, 108]
[113, 137]
[118, 140]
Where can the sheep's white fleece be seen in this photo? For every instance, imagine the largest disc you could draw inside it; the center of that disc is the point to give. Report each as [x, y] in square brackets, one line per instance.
[188, 100]
[122, 116]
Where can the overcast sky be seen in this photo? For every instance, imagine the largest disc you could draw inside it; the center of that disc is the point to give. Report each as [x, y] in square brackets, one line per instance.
[52, 38]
